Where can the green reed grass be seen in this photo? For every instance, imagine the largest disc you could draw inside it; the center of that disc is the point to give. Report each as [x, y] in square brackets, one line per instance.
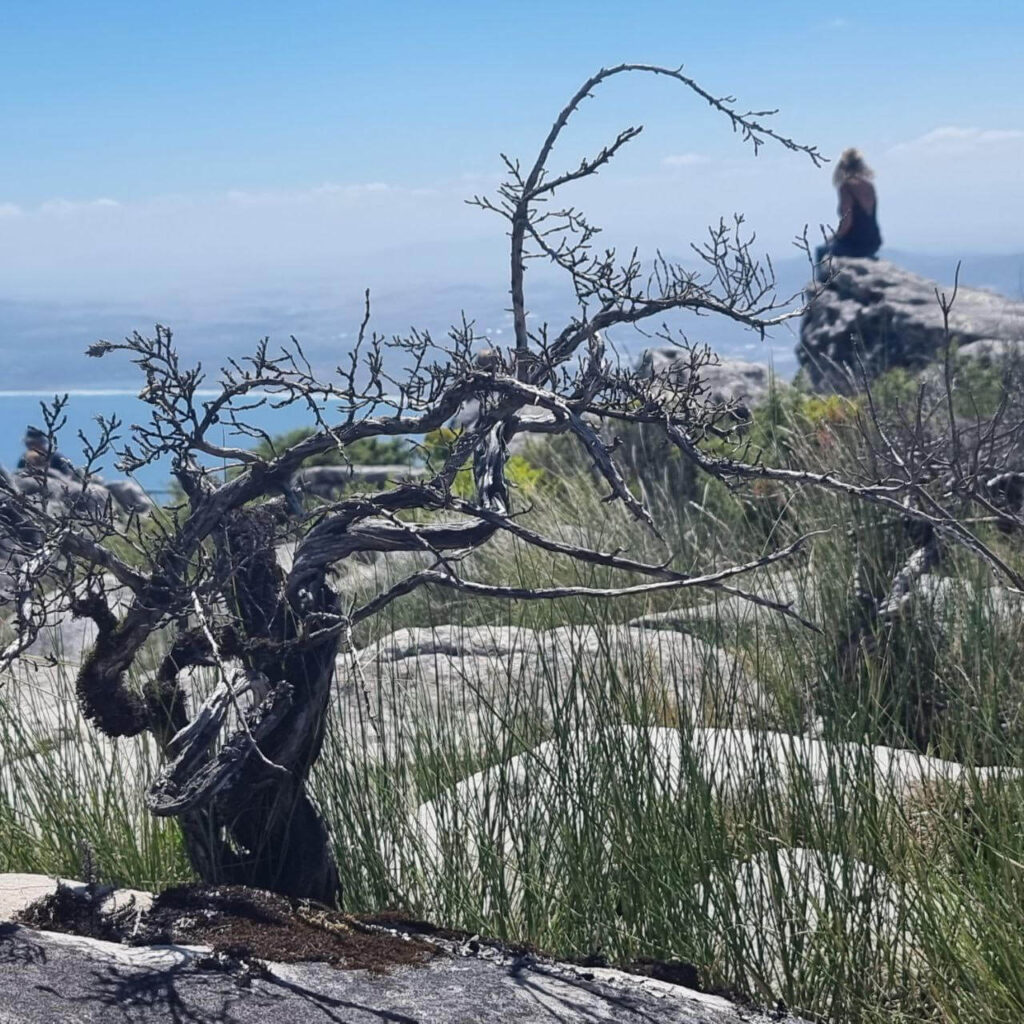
[586, 839]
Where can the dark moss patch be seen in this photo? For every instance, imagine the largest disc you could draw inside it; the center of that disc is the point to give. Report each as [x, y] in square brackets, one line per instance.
[240, 925]
[253, 924]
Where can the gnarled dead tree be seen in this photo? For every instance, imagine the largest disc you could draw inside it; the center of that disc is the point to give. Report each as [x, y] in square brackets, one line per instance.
[236, 764]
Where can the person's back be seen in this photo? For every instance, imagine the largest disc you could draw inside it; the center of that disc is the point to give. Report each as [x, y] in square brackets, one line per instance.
[857, 234]
[38, 456]
[858, 219]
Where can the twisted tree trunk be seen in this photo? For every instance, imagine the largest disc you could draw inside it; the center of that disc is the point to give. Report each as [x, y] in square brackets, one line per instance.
[280, 840]
[246, 816]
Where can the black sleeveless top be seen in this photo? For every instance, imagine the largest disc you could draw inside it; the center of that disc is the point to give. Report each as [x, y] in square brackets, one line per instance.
[863, 238]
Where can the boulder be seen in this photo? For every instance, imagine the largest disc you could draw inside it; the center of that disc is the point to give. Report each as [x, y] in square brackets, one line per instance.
[66, 491]
[726, 380]
[60, 492]
[129, 495]
[891, 318]
[796, 589]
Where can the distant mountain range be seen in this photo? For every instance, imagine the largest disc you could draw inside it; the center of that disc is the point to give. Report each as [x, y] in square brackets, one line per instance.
[43, 344]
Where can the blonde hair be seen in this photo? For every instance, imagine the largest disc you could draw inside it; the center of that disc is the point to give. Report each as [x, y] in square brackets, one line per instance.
[851, 165]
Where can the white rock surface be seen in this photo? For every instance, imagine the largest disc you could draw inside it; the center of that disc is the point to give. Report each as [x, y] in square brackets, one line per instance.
[477, 682]
[949, 598]
[993, 350]
[66, 638]
[774, 905]
[454, 641]
[795, 588]
[536, 793]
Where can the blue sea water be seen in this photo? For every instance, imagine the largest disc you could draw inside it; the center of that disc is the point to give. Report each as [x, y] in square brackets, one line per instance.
[18, 409]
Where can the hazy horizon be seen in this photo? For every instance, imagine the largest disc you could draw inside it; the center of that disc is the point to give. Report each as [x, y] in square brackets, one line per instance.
[45, 342]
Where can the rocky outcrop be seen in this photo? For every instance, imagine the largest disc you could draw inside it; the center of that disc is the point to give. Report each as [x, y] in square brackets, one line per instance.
[60, 492]
[889, 317]
[94, 495]
[129, 495]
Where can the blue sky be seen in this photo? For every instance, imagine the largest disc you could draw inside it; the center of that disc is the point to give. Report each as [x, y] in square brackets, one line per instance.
[186, 152]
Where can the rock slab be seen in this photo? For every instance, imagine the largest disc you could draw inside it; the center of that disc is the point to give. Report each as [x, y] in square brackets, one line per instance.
[60, 978]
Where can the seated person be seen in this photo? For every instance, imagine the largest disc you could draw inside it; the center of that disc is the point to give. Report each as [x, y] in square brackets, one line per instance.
[857, 233]
[39, 457]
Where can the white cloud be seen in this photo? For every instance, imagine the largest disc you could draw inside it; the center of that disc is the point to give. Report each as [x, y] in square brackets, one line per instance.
[955, 140]
[9, 210]
[955, 188]
[685, 160]
[66, 206]
[328, 190]
[251, 240]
